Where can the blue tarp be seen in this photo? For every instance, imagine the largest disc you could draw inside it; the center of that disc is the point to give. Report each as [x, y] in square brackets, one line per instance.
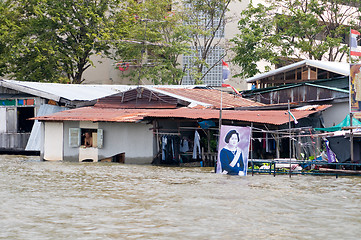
[344, 123]
[206, 124]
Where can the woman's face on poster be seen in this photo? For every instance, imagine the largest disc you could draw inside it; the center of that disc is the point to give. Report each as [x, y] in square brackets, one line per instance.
[233, 141]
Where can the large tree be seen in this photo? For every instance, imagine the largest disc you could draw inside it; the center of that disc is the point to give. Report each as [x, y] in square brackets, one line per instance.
[7, 20]
[289, 30]
[155, 39]
[162, 31]
[53, 40]
[206, 20]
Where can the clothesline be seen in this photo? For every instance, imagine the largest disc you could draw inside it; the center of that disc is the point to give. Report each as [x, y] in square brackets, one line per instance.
[170, 134]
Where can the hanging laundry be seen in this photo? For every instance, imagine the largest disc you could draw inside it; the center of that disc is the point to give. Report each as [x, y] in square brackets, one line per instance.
[196, 145]
[170, 149]
[184, 146]
[267, 143]
[164, 144]
[264, 141]
[173, 149]
[331, 156]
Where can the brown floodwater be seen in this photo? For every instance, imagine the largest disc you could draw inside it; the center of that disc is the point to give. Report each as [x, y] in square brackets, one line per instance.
[59, 200]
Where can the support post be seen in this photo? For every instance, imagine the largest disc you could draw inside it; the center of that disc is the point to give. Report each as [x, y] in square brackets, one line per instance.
[290, 140]
[209, 141]
[252, 147]
[219, 127]
[351, 139]
[278, 146]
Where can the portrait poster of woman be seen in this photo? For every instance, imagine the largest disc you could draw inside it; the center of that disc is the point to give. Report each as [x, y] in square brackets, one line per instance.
[233, 149]
[355, 88]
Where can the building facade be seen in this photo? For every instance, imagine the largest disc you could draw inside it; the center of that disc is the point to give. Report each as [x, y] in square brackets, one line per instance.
[105, 70]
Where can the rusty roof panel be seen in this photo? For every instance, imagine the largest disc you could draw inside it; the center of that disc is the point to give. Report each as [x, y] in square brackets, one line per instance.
[213, 97]
[96, 114]
[161, 97]
[138, 105]
[137, 98]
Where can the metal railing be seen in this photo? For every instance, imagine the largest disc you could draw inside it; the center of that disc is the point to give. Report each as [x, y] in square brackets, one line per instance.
[14, 141]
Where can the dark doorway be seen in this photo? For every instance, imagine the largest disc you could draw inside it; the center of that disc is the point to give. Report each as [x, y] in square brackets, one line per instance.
[24, 113]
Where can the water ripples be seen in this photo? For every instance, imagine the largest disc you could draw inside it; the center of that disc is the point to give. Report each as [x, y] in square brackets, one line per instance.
[56, 200]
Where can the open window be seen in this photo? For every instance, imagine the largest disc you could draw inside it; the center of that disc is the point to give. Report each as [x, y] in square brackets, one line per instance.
[86, 137]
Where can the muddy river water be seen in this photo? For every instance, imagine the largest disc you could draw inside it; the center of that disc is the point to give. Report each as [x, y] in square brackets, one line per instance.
[58, 200]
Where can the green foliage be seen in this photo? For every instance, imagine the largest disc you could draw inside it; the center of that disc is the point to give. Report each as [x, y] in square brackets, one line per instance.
[53, 40]
[169, 33]
[293, 30]
[205, 18]
[156, 38]
[7, 18]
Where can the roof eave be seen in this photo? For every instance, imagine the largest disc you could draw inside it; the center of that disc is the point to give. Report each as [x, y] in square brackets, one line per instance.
[29, 90]
[293, 66]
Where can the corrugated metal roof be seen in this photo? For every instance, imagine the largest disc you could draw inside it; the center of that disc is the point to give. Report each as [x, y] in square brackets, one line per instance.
[194, 101]
[311, 107]
[336, 67]
[211, 97]
[164, 97]
[328, 87]
[74, 92]
[95, 114]
[138, 98]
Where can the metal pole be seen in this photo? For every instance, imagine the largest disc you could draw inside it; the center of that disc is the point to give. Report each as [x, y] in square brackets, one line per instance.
[289, 129]
[219, 126]
[350, 99]
[278, 146]
[220, 115]
[351, 138]
[143, 50]
[252, 148]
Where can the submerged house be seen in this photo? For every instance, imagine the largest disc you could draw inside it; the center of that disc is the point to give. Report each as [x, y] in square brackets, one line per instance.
[307, 82]
[341, 139]
[150, 124]
[20, 101]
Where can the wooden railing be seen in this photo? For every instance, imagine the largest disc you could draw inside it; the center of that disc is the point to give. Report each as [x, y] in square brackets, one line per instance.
[209, 159]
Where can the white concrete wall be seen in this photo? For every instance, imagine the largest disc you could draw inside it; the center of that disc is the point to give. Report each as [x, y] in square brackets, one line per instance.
[89, 125]
[2, 119]
[335, 114]
[106, 72]
[137, 141]
[88, 153]
[53, 141]
[134, 139]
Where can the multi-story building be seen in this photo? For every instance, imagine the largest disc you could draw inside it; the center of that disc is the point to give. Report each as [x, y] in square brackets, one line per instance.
[107, 72]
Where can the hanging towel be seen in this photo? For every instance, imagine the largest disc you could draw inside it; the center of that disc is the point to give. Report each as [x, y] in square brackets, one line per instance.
[196, 145]
[164, 144]
[267, 143]
[184, 147]
[173, 150]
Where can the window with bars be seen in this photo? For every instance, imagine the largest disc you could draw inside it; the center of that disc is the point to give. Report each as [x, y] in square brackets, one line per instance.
[214, 76]
[205, 22]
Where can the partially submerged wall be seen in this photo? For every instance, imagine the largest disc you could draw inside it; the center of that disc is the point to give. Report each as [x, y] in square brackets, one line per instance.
[134, 139]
